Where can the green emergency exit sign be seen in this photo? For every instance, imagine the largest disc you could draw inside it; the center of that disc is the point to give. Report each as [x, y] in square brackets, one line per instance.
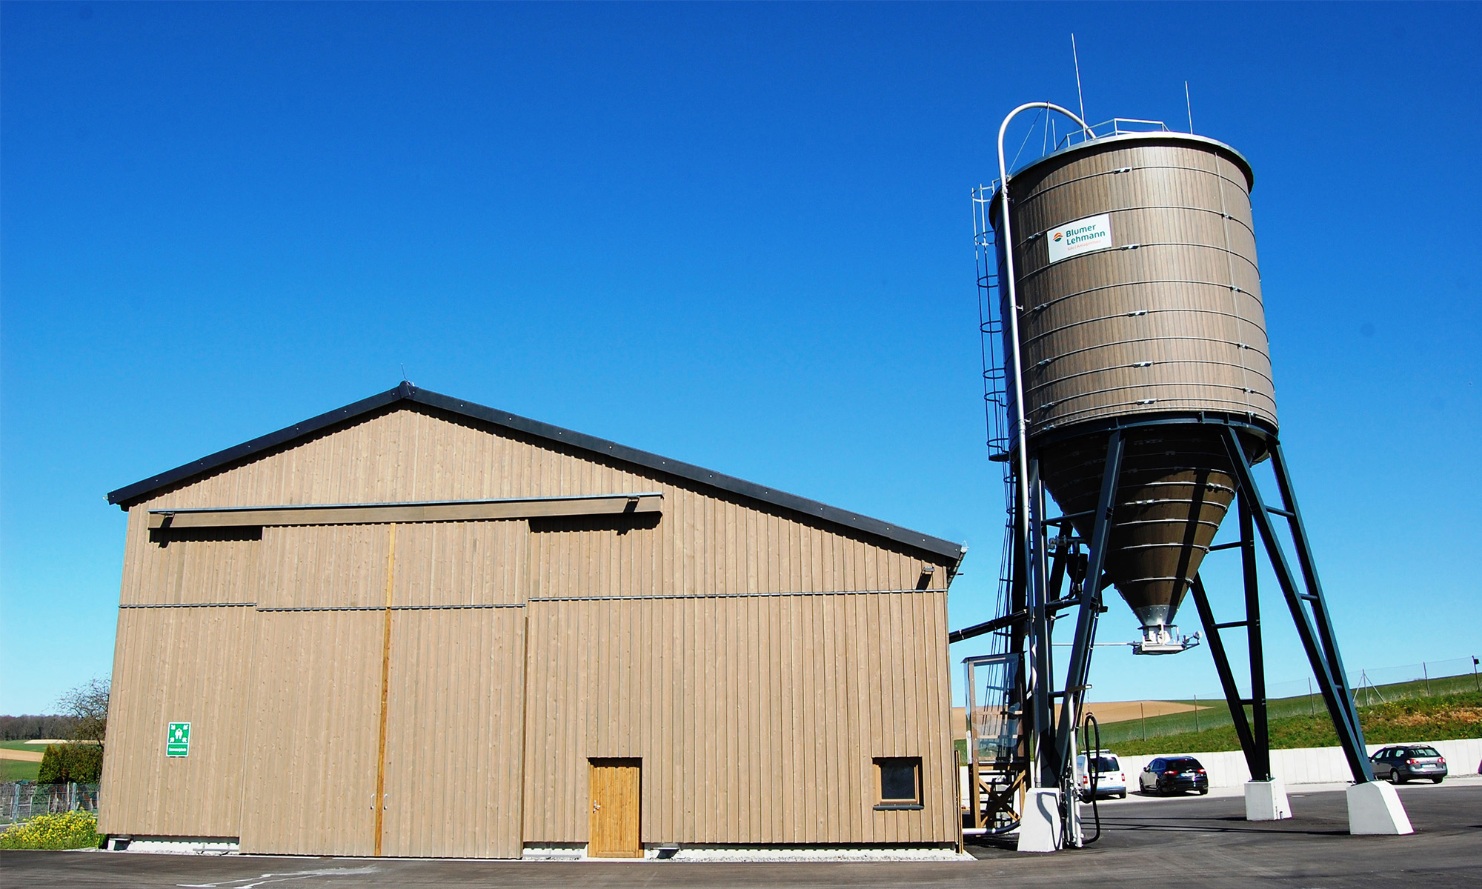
[177, 739]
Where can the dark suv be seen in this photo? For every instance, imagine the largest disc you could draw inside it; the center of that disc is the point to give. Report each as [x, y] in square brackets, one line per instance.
[1173, 774]
[1400, 764]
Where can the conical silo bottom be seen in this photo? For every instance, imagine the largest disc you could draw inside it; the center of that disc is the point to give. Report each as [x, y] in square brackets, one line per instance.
[1175, 487]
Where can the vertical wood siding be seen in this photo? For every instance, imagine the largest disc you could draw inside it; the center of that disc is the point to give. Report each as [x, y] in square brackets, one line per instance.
[311, 762]
[456, 564]
[455, 718]
[325, 566]
[757, 717]
[1176, 324]
[188, 572]
[178, 665]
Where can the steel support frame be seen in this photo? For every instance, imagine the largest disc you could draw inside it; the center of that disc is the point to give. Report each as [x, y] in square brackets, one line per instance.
[1042, 575]
[1255, 738]
[1304, 599]
[1054, 739]
[1079, 670]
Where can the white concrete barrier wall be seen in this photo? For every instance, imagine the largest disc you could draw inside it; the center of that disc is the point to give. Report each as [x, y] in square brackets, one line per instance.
[1305, 765]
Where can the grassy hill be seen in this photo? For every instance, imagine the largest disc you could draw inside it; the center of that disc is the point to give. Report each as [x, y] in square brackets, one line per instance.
[1209, 716]
[1439, 718]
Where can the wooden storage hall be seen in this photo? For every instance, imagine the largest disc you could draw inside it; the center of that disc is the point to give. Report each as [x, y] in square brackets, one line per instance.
[417, 626]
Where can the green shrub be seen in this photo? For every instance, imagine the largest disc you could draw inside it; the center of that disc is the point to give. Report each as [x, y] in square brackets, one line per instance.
[64, 763]
[66, 830]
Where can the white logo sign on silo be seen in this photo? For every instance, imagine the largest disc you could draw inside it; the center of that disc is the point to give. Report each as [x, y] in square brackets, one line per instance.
[1081, 236]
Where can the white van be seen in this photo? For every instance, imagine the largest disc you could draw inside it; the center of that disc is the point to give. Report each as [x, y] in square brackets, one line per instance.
[1111, 780]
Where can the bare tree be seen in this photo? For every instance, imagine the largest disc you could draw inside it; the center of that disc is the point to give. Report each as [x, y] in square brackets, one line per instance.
[88, 704]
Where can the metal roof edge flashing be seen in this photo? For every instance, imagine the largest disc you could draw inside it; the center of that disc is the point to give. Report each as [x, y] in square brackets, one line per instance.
[406, 391]
[122, 497]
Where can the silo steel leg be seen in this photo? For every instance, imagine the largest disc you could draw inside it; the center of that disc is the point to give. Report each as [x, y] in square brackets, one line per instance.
[1319, 601]
[1314, 630]
[1041, 683]
[1260, 728]
[1227, 679]
[1090, 605]
[1253, 731]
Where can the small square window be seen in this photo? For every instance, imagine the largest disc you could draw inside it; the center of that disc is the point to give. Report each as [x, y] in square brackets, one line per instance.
[900, 781]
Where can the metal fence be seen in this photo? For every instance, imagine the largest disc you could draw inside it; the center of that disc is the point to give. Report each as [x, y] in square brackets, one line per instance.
[20, 800]
[1380, 685]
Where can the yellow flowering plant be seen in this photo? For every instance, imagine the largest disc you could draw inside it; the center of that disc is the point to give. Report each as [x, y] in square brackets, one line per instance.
[65, 830]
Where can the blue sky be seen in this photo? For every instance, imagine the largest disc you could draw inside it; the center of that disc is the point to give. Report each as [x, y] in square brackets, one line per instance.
[737, 235]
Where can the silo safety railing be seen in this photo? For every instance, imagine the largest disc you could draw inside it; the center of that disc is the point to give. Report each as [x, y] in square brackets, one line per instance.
[1117, 126]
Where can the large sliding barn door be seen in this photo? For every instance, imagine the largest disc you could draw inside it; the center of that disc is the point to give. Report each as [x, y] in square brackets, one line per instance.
[313, 752]
[389, 693]
[453, 766]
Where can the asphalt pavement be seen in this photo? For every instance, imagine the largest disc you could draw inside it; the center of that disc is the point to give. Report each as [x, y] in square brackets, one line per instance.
[1162, 843]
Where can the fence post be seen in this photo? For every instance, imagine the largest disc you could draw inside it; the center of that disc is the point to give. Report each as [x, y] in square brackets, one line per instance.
[1196, 714]
[1427, 674]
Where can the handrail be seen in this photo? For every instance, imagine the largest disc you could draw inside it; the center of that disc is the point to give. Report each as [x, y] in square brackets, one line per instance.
[1117, 126]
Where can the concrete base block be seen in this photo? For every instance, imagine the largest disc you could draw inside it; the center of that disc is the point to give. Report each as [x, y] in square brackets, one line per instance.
[1266, 801]
[1375, 808]
[1039, 825]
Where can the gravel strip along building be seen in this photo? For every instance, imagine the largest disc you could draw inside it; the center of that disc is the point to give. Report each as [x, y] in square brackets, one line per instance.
[416, 626]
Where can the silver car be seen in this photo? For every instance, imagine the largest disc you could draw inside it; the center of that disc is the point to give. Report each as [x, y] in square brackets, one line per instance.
[1110, 779]
[1405, 761]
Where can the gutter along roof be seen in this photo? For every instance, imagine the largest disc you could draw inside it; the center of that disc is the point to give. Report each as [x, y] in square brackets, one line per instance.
[406, 392]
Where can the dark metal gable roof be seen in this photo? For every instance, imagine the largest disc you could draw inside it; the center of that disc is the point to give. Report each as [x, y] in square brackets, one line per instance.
[407, 392]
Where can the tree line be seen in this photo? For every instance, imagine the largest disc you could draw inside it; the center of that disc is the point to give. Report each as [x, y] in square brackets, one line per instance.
[33, 728]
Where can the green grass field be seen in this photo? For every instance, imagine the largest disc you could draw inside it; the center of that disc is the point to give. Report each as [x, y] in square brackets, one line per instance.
[1440, 718]
[13, 770]
[1443, 709]
[1213, 717]
[10, 770]
[1298, 722]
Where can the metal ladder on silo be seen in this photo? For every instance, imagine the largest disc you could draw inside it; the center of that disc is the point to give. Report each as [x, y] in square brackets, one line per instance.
[1000, 778]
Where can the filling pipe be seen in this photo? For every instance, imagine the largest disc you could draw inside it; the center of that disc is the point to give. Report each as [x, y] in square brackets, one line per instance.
[1021, 451]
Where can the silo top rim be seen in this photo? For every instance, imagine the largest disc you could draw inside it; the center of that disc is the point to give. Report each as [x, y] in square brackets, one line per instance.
[1101, 142]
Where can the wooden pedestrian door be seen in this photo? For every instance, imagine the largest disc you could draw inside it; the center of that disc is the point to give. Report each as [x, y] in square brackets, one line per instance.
[613, 832]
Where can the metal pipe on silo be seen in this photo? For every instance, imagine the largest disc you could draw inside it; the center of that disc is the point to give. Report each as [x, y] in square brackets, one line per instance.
[1048, 762]
[1015, 361]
